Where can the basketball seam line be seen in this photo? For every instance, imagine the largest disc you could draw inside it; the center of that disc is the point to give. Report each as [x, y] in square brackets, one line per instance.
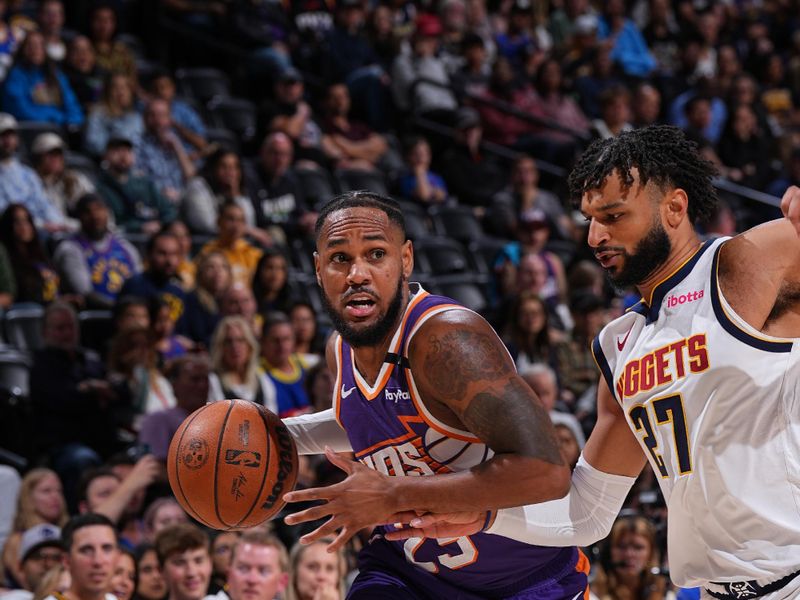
[216, 466]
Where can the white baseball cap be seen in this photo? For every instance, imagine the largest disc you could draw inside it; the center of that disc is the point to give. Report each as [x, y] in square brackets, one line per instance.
[8, 123]
[47, 142]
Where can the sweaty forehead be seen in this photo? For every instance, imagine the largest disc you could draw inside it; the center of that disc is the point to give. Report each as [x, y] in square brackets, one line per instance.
[355, 223]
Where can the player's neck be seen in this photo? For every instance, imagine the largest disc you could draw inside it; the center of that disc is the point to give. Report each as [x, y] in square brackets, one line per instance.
[682, 251]
[370, 359]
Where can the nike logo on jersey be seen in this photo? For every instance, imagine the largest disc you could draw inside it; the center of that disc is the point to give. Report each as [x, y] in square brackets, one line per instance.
[346, 393]
[621, 345]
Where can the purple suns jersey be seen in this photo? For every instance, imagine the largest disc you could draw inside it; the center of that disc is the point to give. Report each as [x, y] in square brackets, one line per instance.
[391, 431]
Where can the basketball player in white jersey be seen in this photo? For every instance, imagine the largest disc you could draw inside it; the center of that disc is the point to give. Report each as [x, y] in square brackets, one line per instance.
[702, 375]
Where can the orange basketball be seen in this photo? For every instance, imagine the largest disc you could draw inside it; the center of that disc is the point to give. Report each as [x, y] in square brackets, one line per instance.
[230, 463]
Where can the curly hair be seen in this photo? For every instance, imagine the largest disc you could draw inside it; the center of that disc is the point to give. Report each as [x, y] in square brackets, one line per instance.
[661, 154]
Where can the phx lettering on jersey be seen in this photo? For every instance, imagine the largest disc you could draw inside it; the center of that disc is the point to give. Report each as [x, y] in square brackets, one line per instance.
[662, 366]
[400, 460]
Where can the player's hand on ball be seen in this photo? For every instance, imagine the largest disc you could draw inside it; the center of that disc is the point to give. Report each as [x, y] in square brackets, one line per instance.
[364, 499]
[441, 525]
[790, 206]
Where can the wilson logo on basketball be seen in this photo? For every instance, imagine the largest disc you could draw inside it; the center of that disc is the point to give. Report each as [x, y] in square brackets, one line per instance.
[676, 300]
[286, 464]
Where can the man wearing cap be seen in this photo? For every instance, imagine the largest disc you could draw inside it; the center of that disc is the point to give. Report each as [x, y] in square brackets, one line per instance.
[62, 185]
[39, 550]
[135, 201]
[95, 262]
[19, 183]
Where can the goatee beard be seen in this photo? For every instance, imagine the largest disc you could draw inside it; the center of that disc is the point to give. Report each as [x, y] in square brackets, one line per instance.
[650, 253]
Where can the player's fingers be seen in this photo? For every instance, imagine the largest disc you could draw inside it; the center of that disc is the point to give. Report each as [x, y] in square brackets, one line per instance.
[341, 539]
[399, 535]
[309, 514]
[345, 465]
[403, 518]
[325, 530]
[324, 493]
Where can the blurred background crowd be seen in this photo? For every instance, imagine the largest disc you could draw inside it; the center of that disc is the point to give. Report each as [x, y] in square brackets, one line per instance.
[161, 168]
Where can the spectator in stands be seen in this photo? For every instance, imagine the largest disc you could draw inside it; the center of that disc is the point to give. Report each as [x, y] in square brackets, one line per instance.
[309, 343]
[63, 185]
[90, 543]
[583, 45]
[95, 262]
[349, 144]
[523, 194]
[234, 361]
[629, 565]
[316, 573]
[289, 113]
[183, 553]
[189, 377]
[518, 41]
[576, 368]
[221, 545]
[419, 183]
[528, 335]
[271, 286]
[112, 55]
[117, 495]
[542, 379]
[219, 181]
[150, 584]
[472, 176]
[130, 311]
[242, 256]
[123, 578]
[472, 77]
[84, 75]
[36, 89]
[729, 67]
[39, 551]
[558, 106]
[615, 113]
[277, 196]
[776, 94]
[187, 268]
[136, 202]
[238, 300]
[8, 285]
[791, 176]
[601, 76]
[434, 100]
[114, 116]
[50, 18]
[133, 371]
[160, 277]
[346, 48]
[167, 343]
[161, 155]
[320, 383]
[629, 48]
[745, 150]
[700, 111]
[285, 367]
[162, 513]
[35, 277]
[201, 313]
[381, 36]
[71, 397]
[646, 105]
[10, 36]
[40, 503]
[258, 570]
[185, 120]
[20, 184]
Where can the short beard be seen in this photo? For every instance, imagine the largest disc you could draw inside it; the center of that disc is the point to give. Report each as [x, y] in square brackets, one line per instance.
[372, 335]
[650, 253]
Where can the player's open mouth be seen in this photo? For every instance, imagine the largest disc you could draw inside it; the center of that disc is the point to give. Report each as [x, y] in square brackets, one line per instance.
[606, 259]
[360, 306]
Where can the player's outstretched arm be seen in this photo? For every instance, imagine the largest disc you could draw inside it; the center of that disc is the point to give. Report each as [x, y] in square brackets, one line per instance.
[601, 481]
[465, 378]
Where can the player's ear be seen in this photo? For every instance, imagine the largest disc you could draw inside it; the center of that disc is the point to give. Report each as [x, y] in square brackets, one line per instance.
[316, 268]
[676, 207]
[407, 256]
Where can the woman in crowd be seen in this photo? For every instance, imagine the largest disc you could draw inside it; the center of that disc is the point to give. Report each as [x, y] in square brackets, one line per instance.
[629, 568]
[419, 183]
[316, 574]
[55, 581]
[115, 116]
[221, 549]
[40, 500]
[150, 584]
[528, 334]
[187, 270]
[234, 362]
[123, 581]
[201, 308]
[271, 282]
[36, 90]
[309, 342]
[86, 78]
[162, 513]
[35, 277]
[319, 386]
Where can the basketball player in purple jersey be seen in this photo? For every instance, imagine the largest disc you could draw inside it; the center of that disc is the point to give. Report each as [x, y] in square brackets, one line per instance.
[438, 419]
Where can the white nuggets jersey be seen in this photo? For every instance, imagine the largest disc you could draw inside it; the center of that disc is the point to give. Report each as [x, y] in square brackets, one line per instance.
[715, 406]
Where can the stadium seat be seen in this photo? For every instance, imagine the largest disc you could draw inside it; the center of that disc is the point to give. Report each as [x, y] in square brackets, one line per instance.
[223, 137]
[23, 327]
[302, 255]
[203, 84]
[318, 189]
[465, 292]
[484, 252]
[441, 256]
[16, 412]
[457, 222]
[14, 368]
[97, 327]
[236, 115]
[359, 179]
